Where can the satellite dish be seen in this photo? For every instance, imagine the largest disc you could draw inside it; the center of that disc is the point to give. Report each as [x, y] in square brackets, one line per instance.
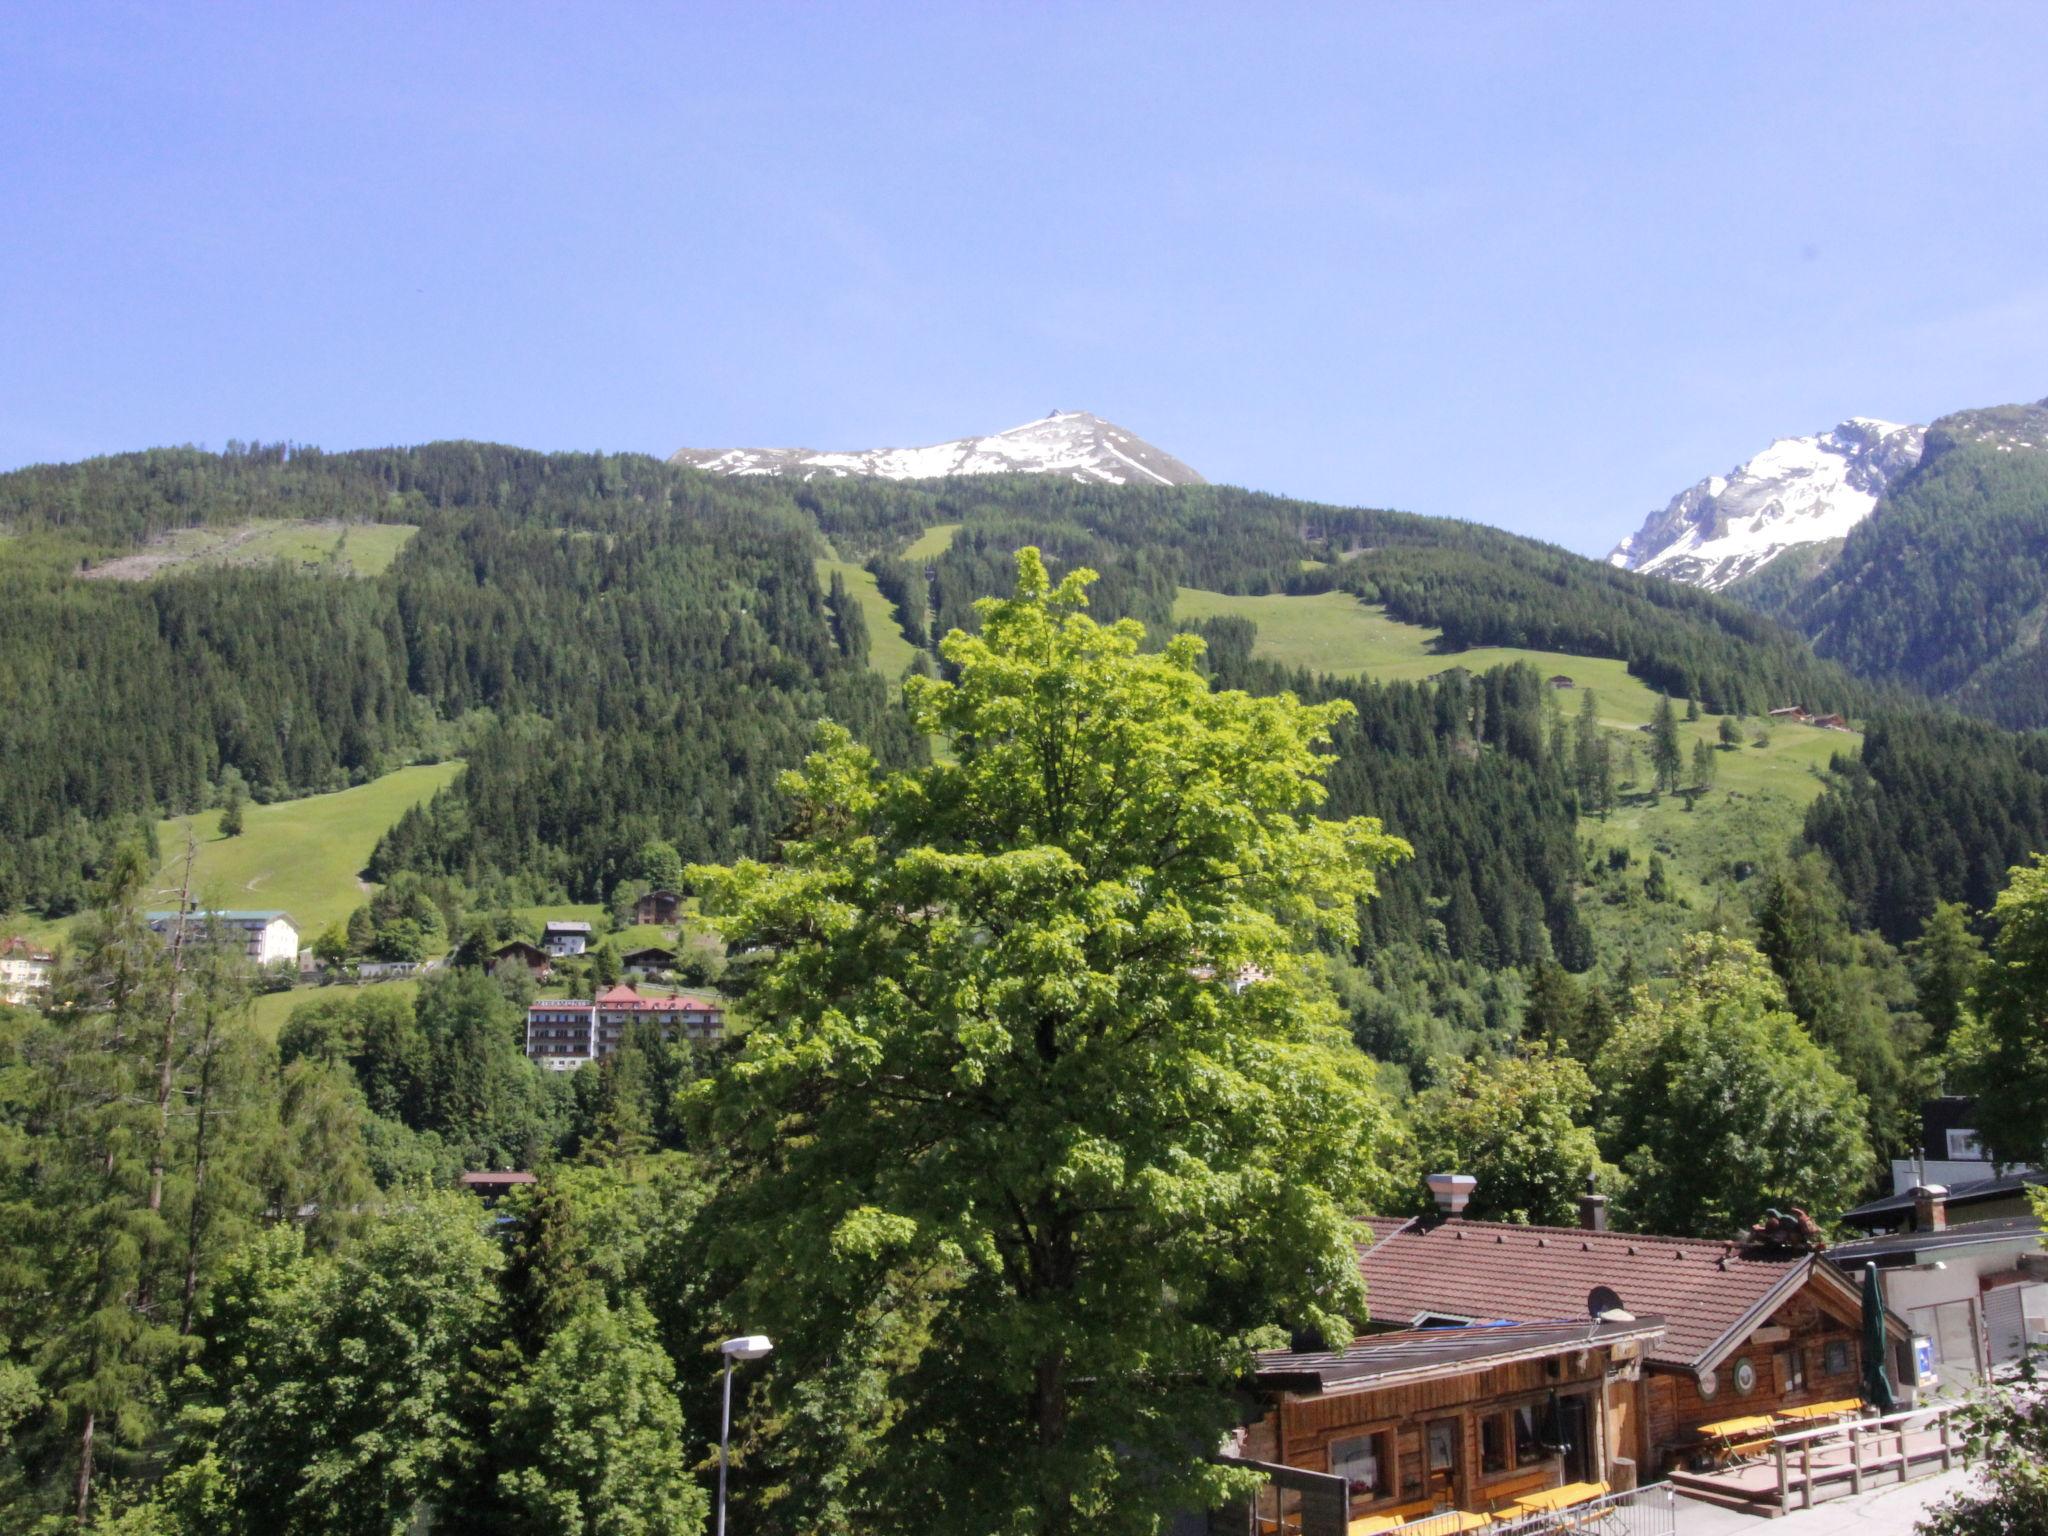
[1602, 1300]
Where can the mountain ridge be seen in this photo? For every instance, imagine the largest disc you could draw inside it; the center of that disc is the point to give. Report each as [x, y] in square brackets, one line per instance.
[1076, 444]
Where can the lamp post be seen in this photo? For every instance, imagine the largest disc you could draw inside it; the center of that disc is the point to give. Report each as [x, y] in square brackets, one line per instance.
[750, 1346]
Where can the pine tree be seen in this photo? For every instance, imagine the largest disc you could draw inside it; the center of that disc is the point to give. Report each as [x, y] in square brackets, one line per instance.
[233, 795]
[1665, 759]
[1702, 765]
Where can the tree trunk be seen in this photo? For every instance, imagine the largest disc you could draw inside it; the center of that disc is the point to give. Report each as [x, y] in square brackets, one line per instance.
[166, 1057]
[84, 1500]
[195, 1219]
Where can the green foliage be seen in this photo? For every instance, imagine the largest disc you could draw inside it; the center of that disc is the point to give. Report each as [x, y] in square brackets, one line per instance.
[1935, 810]
[234, 797]
[1666, 762]
[999, 1007]
[1519, 1124]
[1850, 992]
[593, 1435]
[137, 1134]
[2006, 1445]
[1947, 960]
[448, 1061]
[332, 1381]
[1717, 1106]
[2006, 1051]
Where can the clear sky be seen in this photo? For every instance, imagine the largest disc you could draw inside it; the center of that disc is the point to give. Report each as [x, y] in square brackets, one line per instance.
[1536, 264]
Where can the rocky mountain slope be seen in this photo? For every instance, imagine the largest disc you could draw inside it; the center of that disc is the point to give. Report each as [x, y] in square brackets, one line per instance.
[1075, 444]
[1798, 491]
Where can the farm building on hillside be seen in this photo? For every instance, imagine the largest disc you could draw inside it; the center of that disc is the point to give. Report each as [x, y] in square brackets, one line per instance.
[659, 909]
[565, 938]
[650, 961]
[539, 965]
[265, 937]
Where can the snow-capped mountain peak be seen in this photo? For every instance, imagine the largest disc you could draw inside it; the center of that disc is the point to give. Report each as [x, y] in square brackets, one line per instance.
[1076, 444]
[1800, 490]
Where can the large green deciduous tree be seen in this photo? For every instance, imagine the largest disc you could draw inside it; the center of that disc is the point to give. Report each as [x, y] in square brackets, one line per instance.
[1518, 1125]
[1036, 1037]
[1718, 1106]
[2005, 1051]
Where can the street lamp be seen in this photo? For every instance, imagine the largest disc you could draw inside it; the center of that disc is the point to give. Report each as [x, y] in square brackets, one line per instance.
[750, 1346]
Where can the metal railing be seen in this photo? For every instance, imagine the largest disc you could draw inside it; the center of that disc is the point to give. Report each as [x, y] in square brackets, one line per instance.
[1646, 1511]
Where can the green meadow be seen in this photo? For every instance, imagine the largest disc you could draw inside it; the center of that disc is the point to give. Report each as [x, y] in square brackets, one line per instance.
[305, 856]
[1753, 811]
[888, 652]
[932, 543]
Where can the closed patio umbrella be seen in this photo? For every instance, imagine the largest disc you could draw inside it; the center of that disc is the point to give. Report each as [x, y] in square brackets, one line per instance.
[1877, 1381]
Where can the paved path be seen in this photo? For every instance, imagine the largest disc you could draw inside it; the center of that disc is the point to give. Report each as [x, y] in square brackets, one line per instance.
[1891, 1510]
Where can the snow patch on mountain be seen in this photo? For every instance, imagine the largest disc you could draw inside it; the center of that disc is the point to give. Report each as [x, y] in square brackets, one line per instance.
[1800, 490]
[1077, 444]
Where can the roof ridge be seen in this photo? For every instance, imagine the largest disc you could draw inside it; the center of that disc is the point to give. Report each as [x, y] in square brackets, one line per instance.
[1654, 1238]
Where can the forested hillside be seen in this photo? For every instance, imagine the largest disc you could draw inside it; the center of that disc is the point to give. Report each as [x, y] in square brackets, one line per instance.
[618, 644]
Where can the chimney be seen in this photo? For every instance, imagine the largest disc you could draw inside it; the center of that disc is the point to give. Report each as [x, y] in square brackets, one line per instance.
[1452, 1192]
[1592, 1207]
[1930, 1208]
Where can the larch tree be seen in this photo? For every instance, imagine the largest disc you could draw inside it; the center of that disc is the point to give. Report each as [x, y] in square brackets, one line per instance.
[1039, 1037]
[1666, 761]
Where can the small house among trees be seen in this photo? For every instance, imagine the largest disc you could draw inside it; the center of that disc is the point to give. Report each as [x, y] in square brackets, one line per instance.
[660, 909]
[565, 938]
[536, 960]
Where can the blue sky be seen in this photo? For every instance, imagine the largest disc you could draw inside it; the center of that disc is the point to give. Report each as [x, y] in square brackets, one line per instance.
[1539, 265]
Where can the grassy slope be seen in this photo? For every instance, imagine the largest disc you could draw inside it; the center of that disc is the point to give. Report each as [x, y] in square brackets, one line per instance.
[304, 856]
[888, 652]
[932, 543]
[1754, 810]
[269, 1011]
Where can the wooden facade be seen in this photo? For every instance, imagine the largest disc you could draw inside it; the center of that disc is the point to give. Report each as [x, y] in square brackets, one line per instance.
[1467, 1438]
[1807, 1351]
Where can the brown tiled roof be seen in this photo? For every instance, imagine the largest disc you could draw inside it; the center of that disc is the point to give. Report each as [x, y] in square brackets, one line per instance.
[1386, 1359]
[1484, 1271]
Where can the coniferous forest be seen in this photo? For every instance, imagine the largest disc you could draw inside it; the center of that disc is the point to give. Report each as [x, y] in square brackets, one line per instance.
[234, 1280]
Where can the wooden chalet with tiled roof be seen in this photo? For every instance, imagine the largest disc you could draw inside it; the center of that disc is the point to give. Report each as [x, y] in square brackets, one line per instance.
[1476, 1419]
[1747, 1328]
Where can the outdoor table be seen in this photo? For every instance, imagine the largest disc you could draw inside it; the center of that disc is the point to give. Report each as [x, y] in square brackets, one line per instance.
[1831, 1410]
[1735, 1429]
[1449, 1522]
[1554, 1499]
